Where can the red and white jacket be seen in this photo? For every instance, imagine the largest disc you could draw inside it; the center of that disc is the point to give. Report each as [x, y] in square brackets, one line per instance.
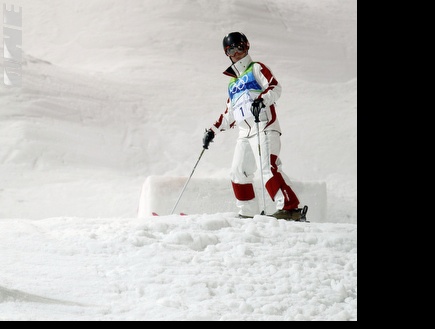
[249, 80]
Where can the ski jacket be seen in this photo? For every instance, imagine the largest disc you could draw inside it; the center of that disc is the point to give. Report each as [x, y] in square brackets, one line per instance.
[249, 80]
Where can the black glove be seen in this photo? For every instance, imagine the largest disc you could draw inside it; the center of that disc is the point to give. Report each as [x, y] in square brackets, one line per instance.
[257, 105]
[208, 138]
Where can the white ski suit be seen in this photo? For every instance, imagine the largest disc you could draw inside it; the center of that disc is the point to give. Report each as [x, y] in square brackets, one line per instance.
[249, 81]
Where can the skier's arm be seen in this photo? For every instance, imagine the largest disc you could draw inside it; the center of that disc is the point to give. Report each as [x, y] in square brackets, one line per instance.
[271, 88]
[225, 121]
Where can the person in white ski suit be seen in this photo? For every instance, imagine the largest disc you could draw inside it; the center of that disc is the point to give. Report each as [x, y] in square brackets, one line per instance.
[253, 91]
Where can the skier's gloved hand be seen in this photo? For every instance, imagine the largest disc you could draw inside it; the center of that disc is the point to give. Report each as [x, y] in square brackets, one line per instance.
[208, 138]
[256, 107]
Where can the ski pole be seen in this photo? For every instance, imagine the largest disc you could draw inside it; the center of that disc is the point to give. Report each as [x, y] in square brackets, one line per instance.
[185, 185]
[257, 121]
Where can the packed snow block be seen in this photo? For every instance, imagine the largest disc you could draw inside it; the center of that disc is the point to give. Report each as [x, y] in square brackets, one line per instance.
[215, 195]
[202, 196]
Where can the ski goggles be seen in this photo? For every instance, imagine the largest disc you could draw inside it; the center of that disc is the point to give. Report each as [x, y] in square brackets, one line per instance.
[232, 50]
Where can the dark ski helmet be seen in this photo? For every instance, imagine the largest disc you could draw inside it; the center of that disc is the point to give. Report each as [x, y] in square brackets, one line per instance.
[235, 39]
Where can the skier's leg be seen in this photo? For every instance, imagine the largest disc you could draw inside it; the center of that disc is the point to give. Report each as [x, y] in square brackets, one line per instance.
[242, 178]
[285, 197]
[278, 185]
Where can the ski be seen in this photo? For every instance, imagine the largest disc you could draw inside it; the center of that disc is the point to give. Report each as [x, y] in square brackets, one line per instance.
[181, 214]
[303, 218]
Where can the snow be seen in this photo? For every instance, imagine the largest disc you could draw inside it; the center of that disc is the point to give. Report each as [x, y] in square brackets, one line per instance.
[115, 92]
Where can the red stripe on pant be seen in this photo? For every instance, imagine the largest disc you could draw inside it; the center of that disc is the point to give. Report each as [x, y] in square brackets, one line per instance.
[244, 192]
[277, 183]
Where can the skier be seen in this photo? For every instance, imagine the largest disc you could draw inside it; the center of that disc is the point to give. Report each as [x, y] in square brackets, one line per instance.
[253, 92]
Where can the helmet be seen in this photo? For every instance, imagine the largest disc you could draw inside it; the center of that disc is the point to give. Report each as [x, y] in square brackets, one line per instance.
[235, 39]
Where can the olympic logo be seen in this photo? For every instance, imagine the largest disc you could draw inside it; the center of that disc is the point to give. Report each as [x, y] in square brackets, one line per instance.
[239, 85]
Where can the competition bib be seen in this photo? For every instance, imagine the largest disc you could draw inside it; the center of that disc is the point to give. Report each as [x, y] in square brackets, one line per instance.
[242, 108]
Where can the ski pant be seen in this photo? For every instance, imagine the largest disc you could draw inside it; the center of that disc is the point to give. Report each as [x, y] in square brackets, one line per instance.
[245, 164]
